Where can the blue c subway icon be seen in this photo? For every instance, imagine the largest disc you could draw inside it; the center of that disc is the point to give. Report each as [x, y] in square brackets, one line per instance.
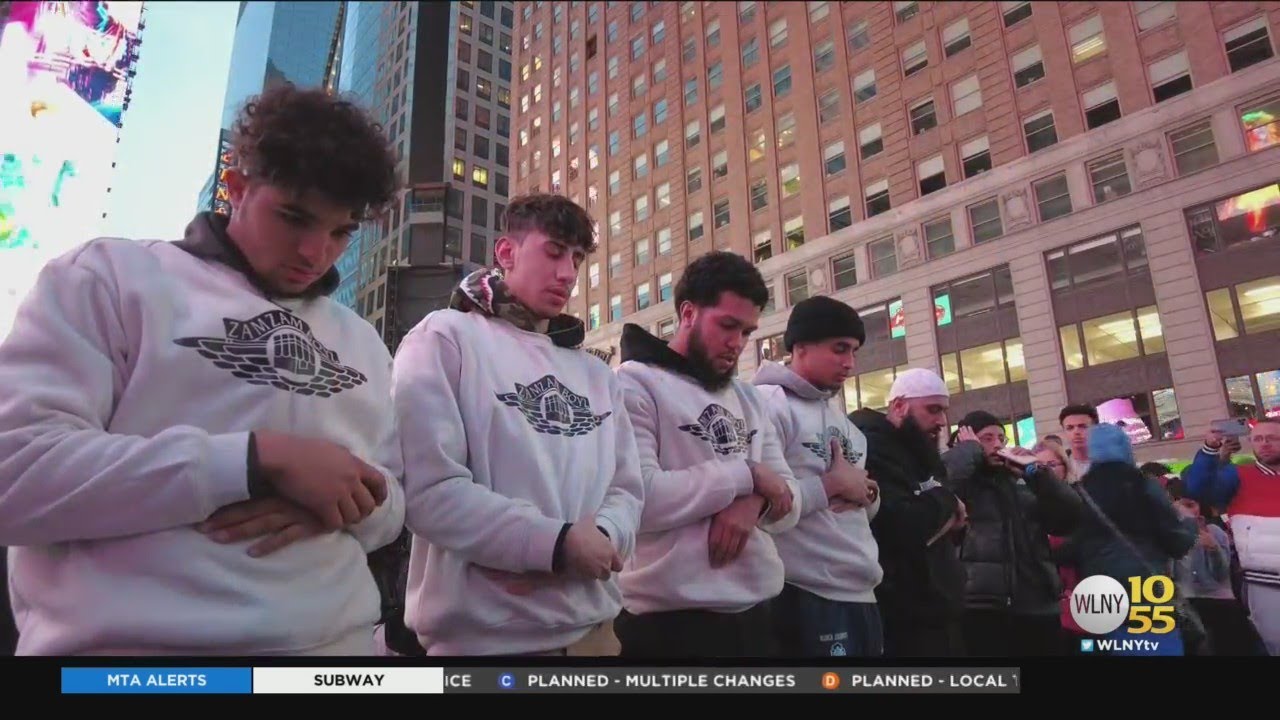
[506, 681]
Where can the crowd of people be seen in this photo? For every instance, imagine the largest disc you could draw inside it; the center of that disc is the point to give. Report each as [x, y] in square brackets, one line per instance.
[202, 453]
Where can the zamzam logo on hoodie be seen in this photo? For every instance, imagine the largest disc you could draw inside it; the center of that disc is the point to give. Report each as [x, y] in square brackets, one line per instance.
[277, 348]
[822, 448]
[725, 433]
[553, 409]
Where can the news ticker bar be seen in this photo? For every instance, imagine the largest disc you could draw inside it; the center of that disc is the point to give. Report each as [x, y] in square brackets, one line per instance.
[440, 680]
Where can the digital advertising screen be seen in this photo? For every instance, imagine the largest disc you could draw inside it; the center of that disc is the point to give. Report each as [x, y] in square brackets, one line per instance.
[66, 69]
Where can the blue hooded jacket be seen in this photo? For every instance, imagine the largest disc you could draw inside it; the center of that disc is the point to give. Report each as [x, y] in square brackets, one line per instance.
[1136, 506]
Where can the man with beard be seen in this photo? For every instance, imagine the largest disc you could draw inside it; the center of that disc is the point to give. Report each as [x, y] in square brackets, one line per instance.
[715, 477]
[522, 484]
[921, 596]
[828, 607]
[1014, 504]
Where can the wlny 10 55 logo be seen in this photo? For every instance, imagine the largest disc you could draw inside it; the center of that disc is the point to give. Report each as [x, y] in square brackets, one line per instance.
[1101, 605]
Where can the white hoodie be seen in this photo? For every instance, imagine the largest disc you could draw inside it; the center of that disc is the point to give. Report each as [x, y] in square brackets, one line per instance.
[132, 379]
[694, 446]
[830, 554]
[507, 437]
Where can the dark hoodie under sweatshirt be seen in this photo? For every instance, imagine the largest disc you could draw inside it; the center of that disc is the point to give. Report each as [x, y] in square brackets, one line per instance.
[697, 436]
[923, 583]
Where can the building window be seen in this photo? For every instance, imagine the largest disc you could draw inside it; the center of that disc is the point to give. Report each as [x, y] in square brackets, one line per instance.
[759, 143]
[696, 231]
[663, 195]
[593, 316]
[877, 200]
[1039, 131]
[1246, 218]
[1170, 77]
[786, 130]
[914, 59]
[844, 271]
[762, 246]
[1087, 39]
[1101, 105]
[717, 119]
[956, 37]
[797, 287]
[750, 53]
[720, 213]
[859, 36]
[664, 287]
[615, 308]
[864, 86]
[839, 215]
[881, 358]
[966, 95]
[642, 296]
[939, 240]
[833, 161]
[691, 92]
[975, 157]
[1262, 124]
[1193, 147]
[615, 260]
[1053, 197]
[1254, 396]
[829, 107]
[932, 175]
[1248, 308]
[713, 34]
[1028, 67]
[984, 366]
[789, 179]
[1247, 44]
[666, 329]
[693, 180]
[824, 56]
[753, 98]
[459, 169]
[984, 220]
[923, 117]
[870, 142]
[642, 251]
[759, 194]
[720, 165]
[1083, 267]
[641, 208]
[792, 233]
[692, 134]
[664, 241]
[884, 257]
[782, 81]
[904, 11]
[1015, 11]
[1109, 177]
[778, 33]
[715, 76]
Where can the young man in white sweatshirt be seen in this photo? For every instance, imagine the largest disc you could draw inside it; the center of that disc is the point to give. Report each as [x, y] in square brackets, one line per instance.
[705, 568]
[522, 481]
[828, 607]
[197, 450]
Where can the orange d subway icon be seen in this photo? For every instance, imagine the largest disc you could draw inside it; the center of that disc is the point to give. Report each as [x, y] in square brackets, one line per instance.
[830, 681]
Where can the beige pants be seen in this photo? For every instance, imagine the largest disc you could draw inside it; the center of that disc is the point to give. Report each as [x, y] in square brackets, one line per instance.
[600, 642]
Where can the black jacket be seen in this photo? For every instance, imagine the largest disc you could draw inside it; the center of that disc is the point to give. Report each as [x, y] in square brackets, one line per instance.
[922, 583]
[1005, 549]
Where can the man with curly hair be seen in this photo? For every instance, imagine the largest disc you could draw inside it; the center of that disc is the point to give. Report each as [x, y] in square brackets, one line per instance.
[522, 481]
[196, 446]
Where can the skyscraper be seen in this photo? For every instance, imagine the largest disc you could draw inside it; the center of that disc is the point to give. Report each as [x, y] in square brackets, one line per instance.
[437, 76]
[275, 42]
[1043, 201]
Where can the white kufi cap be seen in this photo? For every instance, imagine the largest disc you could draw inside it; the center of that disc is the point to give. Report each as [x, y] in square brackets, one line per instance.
[918, 383]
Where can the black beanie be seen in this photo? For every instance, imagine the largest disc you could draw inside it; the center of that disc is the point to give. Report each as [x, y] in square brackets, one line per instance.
[820, 317]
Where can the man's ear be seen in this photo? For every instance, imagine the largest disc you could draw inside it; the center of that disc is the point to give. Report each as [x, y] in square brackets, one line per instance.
[504, 253]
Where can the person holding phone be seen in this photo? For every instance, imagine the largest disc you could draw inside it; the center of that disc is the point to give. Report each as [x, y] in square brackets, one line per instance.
[1250, 496]
[1014, 503]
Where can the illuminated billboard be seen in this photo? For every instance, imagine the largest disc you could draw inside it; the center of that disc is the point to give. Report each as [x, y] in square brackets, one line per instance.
[221, 196]
[66, 68]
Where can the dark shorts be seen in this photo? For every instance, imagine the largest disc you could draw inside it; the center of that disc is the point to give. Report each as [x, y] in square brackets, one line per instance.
[811, 626]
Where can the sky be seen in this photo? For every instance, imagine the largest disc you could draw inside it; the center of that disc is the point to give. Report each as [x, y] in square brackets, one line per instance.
[170, 136]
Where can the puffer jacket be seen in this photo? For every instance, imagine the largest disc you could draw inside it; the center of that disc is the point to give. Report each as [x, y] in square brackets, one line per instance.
[1005, 549]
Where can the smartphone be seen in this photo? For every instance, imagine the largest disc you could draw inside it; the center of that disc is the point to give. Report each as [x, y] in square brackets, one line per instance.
[1234, 427]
